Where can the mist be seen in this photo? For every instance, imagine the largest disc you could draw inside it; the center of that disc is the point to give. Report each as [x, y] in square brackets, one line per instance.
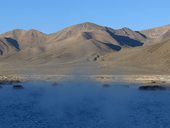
[82, 104]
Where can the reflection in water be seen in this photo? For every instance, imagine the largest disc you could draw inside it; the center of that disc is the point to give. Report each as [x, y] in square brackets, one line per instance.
[79, 104]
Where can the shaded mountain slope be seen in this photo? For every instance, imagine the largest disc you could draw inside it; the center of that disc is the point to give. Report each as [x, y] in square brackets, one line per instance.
[104, 34]
[156, 32]
[86, 41]
[26, 38]
[148, 59]
[85, 47]
[8, 46]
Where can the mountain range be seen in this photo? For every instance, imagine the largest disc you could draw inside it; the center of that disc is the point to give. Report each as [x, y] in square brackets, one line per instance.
[86, 48]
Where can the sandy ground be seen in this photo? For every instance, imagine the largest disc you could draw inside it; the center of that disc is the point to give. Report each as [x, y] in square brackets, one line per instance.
[92, 71]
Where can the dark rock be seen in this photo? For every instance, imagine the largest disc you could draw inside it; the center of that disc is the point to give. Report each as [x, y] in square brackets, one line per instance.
[55, 84]
[18, 87]
[3, 82]
[9, 82]
[152, 87]
[153, 82]
[106, 85]
[163, 82]
[14, 82]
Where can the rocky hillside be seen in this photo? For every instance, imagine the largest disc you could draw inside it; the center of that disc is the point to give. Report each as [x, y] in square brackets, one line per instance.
[112, 50]
[83, 41]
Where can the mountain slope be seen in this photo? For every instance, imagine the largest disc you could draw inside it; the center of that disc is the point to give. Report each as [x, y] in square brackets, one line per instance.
[26, 38]
[156, 32]
[80, 46]
[8, 46]
[153, 58]
[86, 41]
[104, 34]
[157, 35]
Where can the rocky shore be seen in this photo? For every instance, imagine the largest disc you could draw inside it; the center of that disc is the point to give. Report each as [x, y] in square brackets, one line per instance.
[146, 79]
[10, 79]
[152, 79]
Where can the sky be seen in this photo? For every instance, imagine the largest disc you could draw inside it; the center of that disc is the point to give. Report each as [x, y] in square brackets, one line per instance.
[51, 16]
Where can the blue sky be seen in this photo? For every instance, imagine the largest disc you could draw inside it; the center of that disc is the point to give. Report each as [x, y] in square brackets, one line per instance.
[52, 15]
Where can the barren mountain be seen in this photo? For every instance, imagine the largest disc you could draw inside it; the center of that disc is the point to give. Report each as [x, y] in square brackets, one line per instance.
[148, 59]
[157, 35]
[86, 47]
[156, 32]
[83, 41]
[26, 38]
[8, 46]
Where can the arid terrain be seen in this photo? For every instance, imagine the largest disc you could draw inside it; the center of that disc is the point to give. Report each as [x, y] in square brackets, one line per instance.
[86, 49]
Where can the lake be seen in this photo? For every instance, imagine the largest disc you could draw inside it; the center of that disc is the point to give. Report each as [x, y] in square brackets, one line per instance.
[83, 104]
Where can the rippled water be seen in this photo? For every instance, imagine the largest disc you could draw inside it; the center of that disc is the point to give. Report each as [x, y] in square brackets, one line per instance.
[82, 104]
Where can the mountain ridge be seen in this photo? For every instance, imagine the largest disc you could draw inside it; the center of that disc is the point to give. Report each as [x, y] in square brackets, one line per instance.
[111, 38]
[79, 46]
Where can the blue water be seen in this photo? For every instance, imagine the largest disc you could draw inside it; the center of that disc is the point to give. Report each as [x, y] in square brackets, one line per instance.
[82, 104]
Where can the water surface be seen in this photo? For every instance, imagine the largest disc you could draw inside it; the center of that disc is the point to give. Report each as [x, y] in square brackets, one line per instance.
[83, 104]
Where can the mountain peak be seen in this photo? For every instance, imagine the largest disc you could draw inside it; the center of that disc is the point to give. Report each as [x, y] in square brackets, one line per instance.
[156, 32]
[22, 31]
[125, 28]
[77, 29]
[88, 23]
[87, 26]
[34, 31]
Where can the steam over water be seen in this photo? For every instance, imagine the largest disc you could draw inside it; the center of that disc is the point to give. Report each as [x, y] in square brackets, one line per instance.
[82, 104]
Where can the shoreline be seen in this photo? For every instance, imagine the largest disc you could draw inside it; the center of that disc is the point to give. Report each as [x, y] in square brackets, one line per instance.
[143, 79]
